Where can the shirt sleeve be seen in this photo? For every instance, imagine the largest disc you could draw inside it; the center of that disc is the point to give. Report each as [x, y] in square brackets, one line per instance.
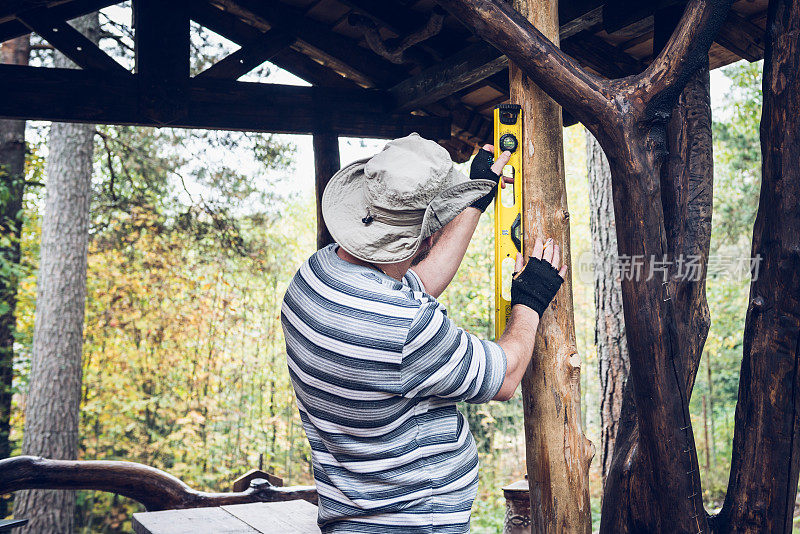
[443, 360]
[414, 281]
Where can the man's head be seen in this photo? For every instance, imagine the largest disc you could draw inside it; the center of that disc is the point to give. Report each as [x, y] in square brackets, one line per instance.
[388, 208]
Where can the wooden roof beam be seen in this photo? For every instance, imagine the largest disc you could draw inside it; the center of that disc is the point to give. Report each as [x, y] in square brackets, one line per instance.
[249, 56]
[70, 42]
[71, 95]
[471, 65]
[241, 33]
[605, 58]
[161, 46]
[12, 29]
[317, 35]
[395, 17]
[742, 37]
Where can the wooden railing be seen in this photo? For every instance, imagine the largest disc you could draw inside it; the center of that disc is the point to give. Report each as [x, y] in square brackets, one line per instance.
[154, 488]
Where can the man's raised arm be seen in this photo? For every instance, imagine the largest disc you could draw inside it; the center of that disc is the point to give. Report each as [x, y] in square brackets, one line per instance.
[438, 269]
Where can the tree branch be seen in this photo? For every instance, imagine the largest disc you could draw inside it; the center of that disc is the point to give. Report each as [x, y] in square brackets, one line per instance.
[154, 488]
[588, 97]
[659, 86]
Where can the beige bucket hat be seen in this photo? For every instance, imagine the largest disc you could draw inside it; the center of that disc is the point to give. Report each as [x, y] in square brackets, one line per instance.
[380, 208]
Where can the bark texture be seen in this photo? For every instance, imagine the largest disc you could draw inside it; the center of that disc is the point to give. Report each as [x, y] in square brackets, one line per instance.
[686, 202]
[12, 174]
[558, 454]
[762, 487]
[53, 400]
[609, 329]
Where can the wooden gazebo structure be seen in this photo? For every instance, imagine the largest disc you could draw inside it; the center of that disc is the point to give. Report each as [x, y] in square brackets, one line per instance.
[377, 69]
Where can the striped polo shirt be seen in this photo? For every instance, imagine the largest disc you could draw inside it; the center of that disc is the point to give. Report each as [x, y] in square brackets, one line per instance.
[377, 368]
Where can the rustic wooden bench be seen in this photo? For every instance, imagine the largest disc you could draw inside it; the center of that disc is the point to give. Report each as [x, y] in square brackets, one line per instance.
[289, 517]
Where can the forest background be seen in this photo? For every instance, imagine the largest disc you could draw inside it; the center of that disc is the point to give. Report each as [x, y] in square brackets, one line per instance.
[195, 235]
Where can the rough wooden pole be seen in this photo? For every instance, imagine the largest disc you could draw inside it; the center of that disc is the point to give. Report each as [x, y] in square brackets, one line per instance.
[326, 163]
[558, 454]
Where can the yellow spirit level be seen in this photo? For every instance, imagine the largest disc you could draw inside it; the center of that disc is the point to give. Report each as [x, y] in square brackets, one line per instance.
[507, 210]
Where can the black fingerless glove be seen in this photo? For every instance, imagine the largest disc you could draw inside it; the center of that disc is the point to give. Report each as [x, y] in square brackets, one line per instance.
[536, 285]
[481, 169]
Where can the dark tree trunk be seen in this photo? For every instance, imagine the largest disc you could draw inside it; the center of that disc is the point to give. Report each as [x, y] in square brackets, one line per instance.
[12, 175]
[766, 444]
[685, 198]
[609, 328]
[51, 413]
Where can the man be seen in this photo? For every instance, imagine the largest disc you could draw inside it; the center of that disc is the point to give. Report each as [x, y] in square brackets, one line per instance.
[376, 364]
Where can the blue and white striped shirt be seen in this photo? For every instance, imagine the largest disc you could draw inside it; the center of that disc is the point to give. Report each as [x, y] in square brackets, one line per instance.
[377, 368]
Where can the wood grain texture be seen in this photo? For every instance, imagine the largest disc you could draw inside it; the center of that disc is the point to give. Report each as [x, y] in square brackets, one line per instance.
[196, 521]
[762, 486]
[154, 488]
[557, 452]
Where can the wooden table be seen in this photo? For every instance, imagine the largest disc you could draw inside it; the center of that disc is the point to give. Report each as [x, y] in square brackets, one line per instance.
[289, 517]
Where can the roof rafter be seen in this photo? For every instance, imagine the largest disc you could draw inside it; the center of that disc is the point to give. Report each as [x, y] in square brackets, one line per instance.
[69, 41]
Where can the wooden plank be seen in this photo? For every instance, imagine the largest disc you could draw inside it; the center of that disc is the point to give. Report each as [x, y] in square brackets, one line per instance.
[346, 51]
[471, 65]
[742, 37]
[591, 20]
[241, 33]
[71, 95]
[191, 521]
[290, 517]
[603, 57]
[249, 56]
[70, 41]
[618, 14]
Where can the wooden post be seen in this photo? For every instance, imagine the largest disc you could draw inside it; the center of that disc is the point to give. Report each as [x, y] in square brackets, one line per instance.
[326, 163]
[558, 454]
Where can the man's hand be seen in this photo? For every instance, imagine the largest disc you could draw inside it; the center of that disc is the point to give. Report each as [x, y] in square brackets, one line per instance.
[537, 282]
[484, 167]
[542, 281]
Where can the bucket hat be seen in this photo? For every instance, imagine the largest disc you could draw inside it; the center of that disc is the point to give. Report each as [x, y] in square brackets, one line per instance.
[381, 208]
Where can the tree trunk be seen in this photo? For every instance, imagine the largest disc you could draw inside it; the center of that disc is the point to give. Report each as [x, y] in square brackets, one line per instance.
[12, 172]
[558, 454]
[684, 196]
[51, 414]
[766, 443]
[609, 329]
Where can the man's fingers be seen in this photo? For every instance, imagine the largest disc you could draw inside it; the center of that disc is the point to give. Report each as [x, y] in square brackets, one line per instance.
[501, 162]
[563, 272]
[547, 253]
[488, 148]
[538, 248]
[519, 264]
[556, 261]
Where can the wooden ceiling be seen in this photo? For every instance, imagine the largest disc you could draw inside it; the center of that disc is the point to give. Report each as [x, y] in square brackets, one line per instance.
[417, 60]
